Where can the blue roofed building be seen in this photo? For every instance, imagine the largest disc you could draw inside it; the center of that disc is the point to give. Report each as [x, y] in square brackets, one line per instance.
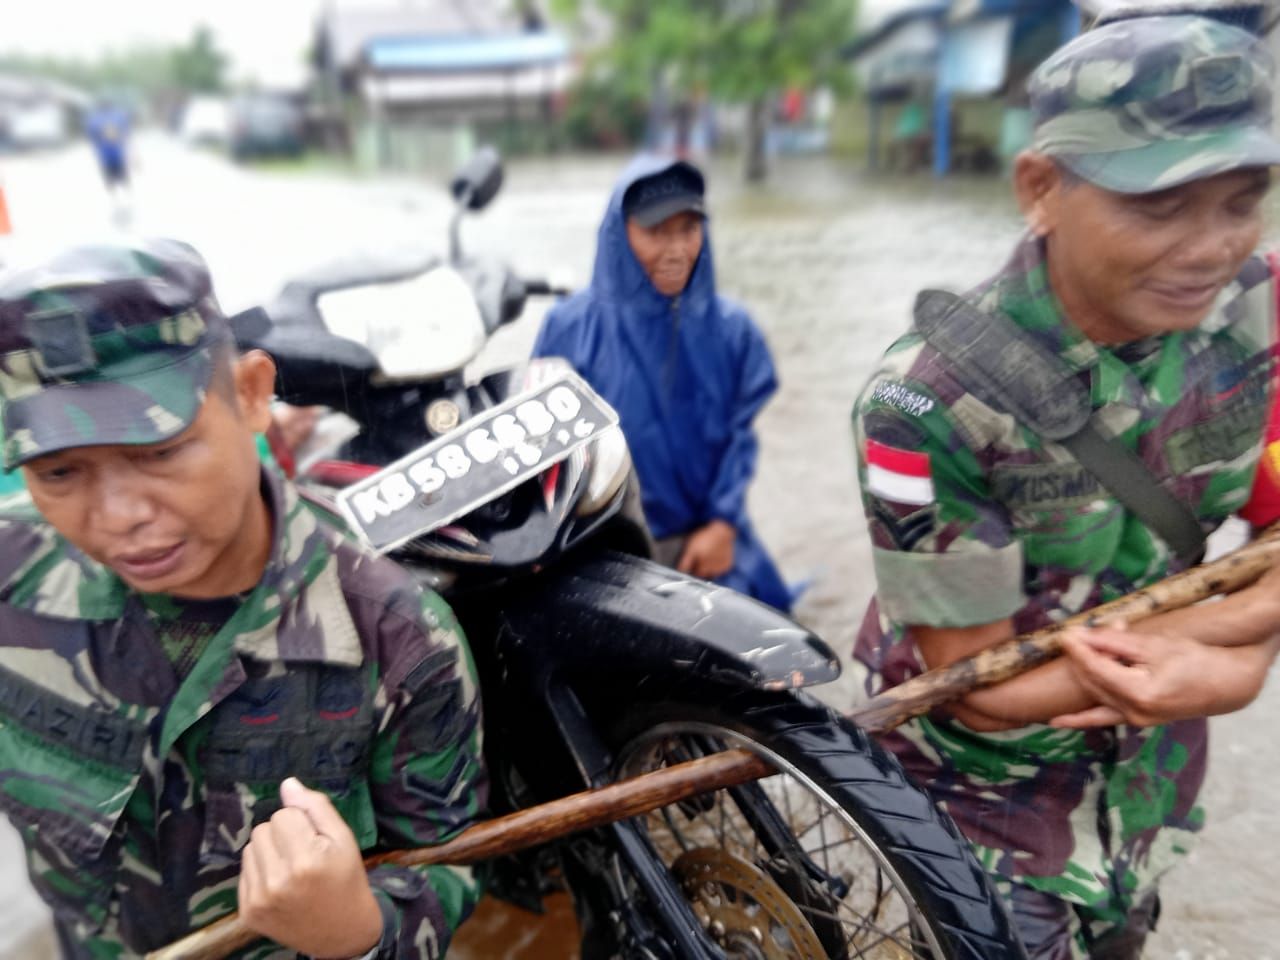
[932, 64]
[424, 80]
[929, 60]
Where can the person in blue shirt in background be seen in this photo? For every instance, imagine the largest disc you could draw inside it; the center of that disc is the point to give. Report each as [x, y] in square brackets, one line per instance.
[107, 127]
[686, 369]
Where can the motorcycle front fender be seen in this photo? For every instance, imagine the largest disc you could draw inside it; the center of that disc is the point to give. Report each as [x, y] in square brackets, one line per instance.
[614, 618]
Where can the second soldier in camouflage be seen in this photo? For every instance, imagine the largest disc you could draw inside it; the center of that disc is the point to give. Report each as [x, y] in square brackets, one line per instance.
[1136, 290]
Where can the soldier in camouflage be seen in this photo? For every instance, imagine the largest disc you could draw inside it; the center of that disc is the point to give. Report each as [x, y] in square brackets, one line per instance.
[185, 643]
[1142, 194]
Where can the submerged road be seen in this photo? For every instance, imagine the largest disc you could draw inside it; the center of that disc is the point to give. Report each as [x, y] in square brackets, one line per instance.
[828, 261]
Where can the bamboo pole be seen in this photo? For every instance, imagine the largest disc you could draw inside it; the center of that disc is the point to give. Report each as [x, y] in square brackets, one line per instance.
[1006, 660]
[642, 794]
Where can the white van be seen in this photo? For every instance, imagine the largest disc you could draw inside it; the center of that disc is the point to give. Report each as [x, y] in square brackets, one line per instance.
[206, 121]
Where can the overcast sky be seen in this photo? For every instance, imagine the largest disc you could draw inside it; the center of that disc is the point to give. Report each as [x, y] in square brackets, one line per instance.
[266, 39]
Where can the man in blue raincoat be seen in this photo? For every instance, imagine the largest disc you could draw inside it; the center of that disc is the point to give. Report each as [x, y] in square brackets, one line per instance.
[686, 369]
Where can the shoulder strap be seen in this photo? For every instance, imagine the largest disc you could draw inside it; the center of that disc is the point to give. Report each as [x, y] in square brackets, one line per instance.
[1122, 472]
[997, 362]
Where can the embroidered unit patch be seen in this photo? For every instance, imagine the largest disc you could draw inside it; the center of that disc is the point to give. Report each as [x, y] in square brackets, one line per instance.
[903, 398]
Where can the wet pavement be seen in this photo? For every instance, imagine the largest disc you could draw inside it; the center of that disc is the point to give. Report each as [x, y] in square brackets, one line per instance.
[829, 263]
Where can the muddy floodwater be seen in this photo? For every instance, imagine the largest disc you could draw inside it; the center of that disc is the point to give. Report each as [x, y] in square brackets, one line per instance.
[829, 262]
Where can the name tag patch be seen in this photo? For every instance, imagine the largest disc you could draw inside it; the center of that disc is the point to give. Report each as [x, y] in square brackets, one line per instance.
[1045, 485]
[312, 723]
[106, 737]
[1234, 405]
[1220, 440]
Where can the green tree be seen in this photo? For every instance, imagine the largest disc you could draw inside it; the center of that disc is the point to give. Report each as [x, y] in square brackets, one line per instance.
[199, 66]
[148, 70]
[737, 51]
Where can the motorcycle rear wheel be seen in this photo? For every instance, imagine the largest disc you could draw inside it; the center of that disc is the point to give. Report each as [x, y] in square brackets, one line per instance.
[838, 855]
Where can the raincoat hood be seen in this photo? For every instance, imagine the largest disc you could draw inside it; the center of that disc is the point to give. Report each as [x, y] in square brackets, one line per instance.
[687, 375]
[618, 276]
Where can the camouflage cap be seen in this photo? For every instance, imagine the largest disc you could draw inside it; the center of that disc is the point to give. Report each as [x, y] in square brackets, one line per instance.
[1150, 103]
[105, 344]
[1251, 15]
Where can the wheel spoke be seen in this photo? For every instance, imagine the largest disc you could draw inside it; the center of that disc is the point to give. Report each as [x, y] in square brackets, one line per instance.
[777, 864]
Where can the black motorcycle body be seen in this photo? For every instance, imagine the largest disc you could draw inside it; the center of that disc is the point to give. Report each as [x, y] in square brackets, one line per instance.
[584, 646]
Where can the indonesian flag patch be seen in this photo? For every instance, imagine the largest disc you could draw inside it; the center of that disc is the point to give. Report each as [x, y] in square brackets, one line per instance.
[900, 476]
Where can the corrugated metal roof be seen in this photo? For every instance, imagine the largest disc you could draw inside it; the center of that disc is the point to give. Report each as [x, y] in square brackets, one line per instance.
[351, 28]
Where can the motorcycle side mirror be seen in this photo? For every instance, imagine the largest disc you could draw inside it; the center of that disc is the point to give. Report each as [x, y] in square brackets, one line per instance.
[479, 179]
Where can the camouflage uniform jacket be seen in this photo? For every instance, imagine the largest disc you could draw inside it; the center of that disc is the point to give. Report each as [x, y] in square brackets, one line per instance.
[135, 793]
[974, 518]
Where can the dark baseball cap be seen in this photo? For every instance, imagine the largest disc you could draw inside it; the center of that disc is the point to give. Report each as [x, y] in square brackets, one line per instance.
[105, 343]
[677, 189]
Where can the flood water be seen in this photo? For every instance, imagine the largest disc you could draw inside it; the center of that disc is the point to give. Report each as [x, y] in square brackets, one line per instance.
[829, 262]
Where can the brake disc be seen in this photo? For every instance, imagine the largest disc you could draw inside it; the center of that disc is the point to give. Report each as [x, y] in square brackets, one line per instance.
[743, 910]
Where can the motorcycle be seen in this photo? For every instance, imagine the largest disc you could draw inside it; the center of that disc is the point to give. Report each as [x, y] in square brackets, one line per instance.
[513, 496]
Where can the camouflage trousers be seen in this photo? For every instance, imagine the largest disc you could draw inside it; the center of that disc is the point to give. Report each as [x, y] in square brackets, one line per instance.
[1053, 929]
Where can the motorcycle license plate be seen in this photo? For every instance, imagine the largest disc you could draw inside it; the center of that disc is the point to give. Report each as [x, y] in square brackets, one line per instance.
[475, 463]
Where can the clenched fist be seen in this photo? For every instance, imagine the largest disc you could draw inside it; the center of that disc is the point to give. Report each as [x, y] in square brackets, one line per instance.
[303, 883]
[708, 553]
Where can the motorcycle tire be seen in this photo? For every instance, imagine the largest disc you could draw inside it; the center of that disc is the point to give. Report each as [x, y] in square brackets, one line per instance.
[777, 898]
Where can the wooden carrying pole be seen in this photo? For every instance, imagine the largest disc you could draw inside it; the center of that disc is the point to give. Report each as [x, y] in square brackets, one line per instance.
[521, 830]
[650, 791]
[1004, 661]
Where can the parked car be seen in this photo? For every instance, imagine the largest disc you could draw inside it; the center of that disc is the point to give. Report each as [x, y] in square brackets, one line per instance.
[266, 125]
[38, 125]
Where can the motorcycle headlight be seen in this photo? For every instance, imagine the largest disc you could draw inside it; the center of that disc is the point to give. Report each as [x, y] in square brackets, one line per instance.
[610, 467]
